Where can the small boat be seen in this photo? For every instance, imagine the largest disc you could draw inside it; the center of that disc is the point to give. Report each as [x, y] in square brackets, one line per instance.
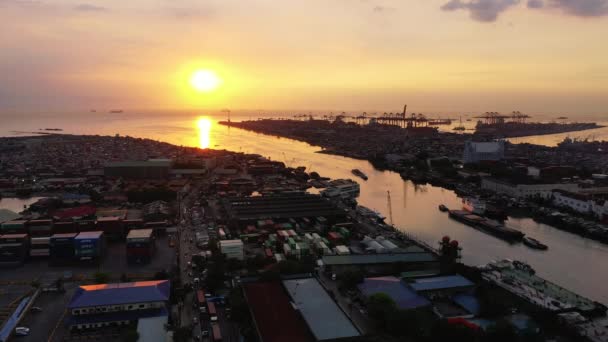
[443, 208]
[460, 127]
[116, 111]
[533, 243]
[359, 173]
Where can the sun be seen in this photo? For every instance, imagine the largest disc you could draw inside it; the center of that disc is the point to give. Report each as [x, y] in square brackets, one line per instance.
[205, 80]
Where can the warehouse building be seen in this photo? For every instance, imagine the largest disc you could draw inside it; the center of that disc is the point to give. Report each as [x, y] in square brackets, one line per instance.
[98, 306]
[324, 318]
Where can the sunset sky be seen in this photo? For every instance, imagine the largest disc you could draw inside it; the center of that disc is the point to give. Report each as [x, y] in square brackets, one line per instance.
[446, 55]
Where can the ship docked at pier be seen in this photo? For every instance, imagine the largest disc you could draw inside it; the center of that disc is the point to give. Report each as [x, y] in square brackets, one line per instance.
[490, 226]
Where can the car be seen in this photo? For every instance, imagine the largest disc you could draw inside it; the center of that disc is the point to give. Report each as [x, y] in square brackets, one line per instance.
[333, 276]
[22, 331]
[213, 319]
[202, 309]
[195, 320]
[36, 309]
[205, 332]
[189, 274]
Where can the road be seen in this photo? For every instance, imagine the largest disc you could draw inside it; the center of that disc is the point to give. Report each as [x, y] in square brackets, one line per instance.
[351, 309]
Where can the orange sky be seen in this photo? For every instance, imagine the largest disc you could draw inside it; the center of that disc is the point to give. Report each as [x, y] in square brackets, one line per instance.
[436, 55]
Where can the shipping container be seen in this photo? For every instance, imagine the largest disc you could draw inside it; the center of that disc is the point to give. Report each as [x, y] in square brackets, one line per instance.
[85, 226]
[13, 248]
[89, 246]
[140, 245]
[111, 226]
[64, 227]
[62, 247]
[40, 246]
[14, 227]
[40, 227]
[133, 224]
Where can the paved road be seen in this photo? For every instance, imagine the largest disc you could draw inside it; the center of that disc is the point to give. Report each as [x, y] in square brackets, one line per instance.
[43, 324]
[362, 321]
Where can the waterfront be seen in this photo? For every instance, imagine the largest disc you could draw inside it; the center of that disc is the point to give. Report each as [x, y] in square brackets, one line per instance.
[414, 208]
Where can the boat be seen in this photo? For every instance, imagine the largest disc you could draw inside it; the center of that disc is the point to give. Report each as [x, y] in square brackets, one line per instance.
[489, 226]
[443, 208]
[533, 243]
[359, 173]
[116, 111]
[53, 129]
[343, 188]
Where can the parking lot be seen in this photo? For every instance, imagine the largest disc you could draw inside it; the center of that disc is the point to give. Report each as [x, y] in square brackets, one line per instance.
[49, 321]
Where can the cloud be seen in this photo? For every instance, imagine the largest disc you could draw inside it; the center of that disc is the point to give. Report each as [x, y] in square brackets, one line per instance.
[481, 10]
[536, 4]
[89, 8]
[582, 8]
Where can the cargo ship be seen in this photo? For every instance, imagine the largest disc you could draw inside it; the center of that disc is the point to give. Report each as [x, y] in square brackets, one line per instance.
[489, 226]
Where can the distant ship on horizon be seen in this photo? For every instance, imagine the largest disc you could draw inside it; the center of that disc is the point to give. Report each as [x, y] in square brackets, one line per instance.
[116, 111]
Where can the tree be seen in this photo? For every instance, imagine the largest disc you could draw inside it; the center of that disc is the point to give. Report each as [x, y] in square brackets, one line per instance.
[350, 279]
[380, 306]
[129, 335]
[101, 277]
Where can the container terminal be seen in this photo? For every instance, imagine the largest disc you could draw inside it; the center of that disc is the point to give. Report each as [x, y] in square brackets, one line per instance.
[233, 236]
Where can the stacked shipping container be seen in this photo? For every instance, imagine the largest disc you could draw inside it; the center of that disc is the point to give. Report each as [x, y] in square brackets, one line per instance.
[140, 246]
[89, 246]
[13, 248]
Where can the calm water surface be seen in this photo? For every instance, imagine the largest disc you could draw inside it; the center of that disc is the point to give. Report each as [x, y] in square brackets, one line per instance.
[573, 262]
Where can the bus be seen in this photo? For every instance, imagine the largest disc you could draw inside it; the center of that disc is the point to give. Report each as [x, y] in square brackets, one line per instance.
[216, 332]
[211, 310]
[200, 297]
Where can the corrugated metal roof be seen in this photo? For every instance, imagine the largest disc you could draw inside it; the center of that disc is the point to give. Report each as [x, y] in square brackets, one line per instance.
[152, 329]
[440, 283]
[121, 293]
[324, 318]
[404, 297]
[377, 258]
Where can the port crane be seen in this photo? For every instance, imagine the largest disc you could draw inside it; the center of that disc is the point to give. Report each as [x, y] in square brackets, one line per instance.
[494, 118]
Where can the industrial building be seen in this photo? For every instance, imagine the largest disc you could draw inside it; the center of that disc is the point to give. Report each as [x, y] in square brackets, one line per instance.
[232, 249]
[97, 306]
[475, 152]
[251, 209]
[381, 263]
[148, 169]
[404, 297]
[324, 318]
[533, 189]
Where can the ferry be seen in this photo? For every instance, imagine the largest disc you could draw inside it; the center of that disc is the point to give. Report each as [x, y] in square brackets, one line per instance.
[343, 188]
[359, 173]
[533, 243]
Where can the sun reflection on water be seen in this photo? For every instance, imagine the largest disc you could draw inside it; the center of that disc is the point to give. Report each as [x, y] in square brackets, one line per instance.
[203, 125]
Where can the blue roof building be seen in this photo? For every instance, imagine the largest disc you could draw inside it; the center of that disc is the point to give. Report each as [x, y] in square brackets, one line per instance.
[403, 296]
[452, 282]
[95, 306]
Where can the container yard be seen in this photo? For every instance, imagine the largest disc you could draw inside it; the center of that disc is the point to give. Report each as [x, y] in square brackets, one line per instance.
[13, 248]
[61, 248]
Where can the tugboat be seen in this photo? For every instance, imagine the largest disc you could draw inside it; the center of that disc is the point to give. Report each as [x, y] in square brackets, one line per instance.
[359, 173]
[533, 243]
[443, 208]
